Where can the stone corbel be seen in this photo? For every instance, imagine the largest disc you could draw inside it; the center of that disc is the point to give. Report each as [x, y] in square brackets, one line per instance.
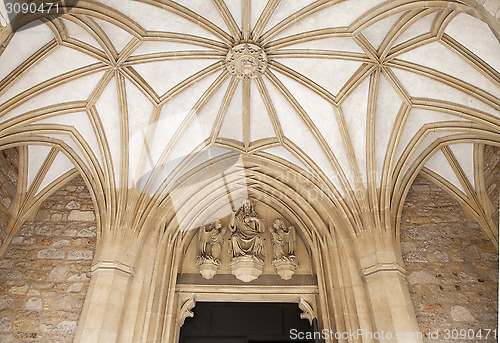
[187, 303]
[307, 305]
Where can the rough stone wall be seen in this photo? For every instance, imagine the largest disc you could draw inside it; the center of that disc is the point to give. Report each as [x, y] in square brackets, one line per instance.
[452, 267]
[492, 176]
[9, 171]
[45, 274]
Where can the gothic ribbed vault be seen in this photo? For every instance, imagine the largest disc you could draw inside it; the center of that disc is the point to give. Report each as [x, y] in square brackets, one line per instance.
[358, 95]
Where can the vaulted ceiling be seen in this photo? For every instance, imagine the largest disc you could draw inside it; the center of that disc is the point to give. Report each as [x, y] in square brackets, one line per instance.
[359, 94]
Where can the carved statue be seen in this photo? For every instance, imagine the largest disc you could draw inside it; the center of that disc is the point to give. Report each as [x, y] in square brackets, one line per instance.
[246, 232]
[283, 240]
[210, 241]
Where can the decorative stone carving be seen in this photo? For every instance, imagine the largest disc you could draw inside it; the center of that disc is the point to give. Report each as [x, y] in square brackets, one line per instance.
[246, 61]
[186, 305]
[247, 243]
[209, 248]
[306, 305]
[283, 240]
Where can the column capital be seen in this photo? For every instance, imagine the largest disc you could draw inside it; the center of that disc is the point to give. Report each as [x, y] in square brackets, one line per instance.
[113, 265]
[383, 267]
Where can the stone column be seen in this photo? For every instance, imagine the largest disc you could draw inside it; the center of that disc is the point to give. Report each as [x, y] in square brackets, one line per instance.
[392, 308]
[102, 313]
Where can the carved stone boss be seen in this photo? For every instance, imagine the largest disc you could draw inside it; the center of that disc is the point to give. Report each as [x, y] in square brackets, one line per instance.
[247, 246]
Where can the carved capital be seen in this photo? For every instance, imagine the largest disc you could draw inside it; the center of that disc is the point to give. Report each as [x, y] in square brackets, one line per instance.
[382, 267]
[113, 265]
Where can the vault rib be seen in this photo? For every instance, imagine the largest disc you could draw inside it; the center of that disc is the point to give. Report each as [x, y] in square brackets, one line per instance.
[473, 60]
[226, 101]
[124, 140]
[317, 135]
[404, 22]
[304, 81]
[207, 95]
[371, 167]
[266, 14]
[27, 65]
[246, 19]
[246, 112]
[161, 36]
[308, 36]
[188, 82]
[45, 86]
[271, 110]
[136, 78]
[292, 19]
[447, 79]
[226, 15]
[173, 55]
[315, 53]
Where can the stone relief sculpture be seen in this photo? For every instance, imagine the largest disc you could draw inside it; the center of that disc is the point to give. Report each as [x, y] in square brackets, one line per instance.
[247, 243]
[210, 238]
[283, 240]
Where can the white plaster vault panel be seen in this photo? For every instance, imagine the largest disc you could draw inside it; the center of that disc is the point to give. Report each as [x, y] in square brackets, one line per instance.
[146, 112]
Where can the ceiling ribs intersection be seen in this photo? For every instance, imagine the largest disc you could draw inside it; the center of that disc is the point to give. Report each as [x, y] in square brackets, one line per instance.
[350, 181]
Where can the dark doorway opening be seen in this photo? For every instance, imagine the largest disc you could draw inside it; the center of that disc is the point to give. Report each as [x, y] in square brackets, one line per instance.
[245, 323]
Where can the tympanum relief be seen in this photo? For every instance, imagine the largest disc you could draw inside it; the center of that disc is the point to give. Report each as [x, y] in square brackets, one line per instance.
[246, 237]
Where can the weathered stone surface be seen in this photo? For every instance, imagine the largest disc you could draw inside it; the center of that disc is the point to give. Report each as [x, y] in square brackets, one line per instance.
[67, 326]
[51, 254]
[84, 216]
[73, 205]
[9, 166]
[415, 257]
[58, 273]
[80, 255]
[5, 324]
[5, 301]
[46, 275]
[19, 290]
[75, 288]
[456, 287]
[421, 278]
[461, 314]
[34, 304]
[87, 232]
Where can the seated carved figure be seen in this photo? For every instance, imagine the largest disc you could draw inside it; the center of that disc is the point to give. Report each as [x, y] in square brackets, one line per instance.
[246, 232]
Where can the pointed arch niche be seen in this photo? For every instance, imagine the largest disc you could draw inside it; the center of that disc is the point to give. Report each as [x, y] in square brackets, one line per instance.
[326, 285]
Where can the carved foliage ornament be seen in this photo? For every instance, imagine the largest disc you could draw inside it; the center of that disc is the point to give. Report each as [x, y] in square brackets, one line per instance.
[246, 61]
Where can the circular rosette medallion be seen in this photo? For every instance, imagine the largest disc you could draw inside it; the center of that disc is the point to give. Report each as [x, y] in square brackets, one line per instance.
[246, 61]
